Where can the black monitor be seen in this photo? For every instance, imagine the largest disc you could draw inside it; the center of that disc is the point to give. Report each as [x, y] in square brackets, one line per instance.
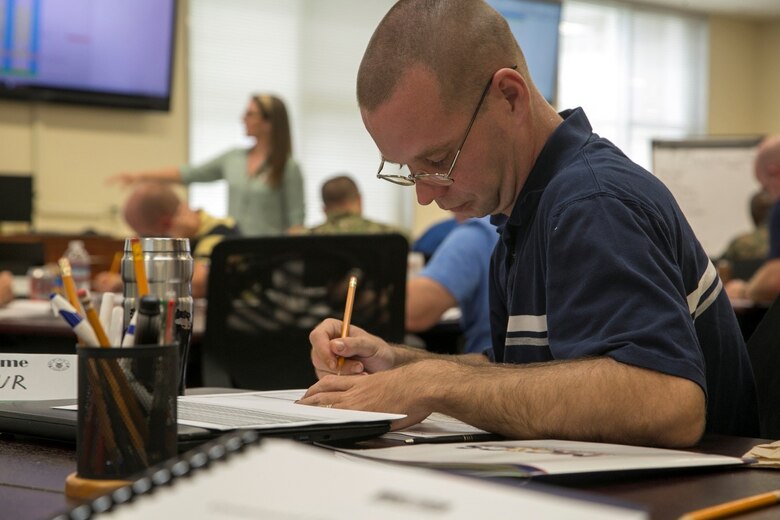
[535, 26]
[16, 194]
[105, 52]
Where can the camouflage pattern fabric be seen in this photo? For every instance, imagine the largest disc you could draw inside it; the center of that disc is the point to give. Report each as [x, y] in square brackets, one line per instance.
[750, 246]
[352, 223]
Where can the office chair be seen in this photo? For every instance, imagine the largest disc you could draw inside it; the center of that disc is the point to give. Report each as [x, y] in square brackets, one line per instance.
[764, 351]
[17, 257]
[266, 294]
[745, 269]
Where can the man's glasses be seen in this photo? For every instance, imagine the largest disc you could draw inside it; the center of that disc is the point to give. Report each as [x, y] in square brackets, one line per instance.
[393, 170]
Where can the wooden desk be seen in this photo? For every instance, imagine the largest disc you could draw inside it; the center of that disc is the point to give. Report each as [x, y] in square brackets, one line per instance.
[101, 248]
[32, 475]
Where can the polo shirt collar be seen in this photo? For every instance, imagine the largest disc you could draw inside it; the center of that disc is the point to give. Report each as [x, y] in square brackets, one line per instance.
[563, 144]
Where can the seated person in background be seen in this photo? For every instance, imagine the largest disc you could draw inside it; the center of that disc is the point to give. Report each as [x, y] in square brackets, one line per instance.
[433, 237]
[6, 287]
[456, 275]
[764, 285]
[753, 245]
[154, 210]
[343, 207]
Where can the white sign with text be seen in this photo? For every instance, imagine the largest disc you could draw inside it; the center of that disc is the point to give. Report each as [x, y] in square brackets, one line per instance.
[28, 377]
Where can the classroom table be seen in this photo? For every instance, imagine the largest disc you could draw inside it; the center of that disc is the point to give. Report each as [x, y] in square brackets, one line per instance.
[32, 476]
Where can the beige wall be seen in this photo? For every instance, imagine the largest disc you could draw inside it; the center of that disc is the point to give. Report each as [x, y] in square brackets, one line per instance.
[744, 76]
[71, 149]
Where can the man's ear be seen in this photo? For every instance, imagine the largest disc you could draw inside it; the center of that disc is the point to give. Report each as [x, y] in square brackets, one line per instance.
[513, 87]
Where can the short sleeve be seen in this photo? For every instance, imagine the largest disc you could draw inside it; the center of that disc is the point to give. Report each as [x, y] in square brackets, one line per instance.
[613, 289]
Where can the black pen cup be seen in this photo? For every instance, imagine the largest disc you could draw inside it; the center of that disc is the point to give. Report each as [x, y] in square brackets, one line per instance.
[126, 409]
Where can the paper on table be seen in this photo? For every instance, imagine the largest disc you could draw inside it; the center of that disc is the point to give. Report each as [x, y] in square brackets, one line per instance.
[765, 455]
[436, 425]
[17, 309]
[282, 479]
[541, 457]
[259, 410]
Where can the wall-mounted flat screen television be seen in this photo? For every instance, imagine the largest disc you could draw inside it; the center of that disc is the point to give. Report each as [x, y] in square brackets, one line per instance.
[535, 26]
[103, 52]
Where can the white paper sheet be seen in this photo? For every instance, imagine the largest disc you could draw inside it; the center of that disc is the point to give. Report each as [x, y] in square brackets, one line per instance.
[259, 410]
[33, 377]
[541, 457]
[281, 480]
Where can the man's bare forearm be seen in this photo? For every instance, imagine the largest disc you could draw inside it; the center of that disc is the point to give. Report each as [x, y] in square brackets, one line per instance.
[404, 355]
[597, 399]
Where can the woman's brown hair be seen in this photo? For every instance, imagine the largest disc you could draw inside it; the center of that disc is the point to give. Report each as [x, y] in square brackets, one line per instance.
[273, 110]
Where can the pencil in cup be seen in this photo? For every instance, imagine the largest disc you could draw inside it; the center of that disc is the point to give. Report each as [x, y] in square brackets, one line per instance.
[116, 381]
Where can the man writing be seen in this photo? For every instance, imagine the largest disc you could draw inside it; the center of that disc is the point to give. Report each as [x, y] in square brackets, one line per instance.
[607, 317]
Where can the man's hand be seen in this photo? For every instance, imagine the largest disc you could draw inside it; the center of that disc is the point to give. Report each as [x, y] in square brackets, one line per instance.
[6, 287]
[362, 352]
[402, 390]
[123, 179]
[107, 282]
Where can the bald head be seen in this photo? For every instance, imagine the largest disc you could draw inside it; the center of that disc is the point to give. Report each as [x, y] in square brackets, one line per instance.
[767, 165]
[150, 209]
[461, 42]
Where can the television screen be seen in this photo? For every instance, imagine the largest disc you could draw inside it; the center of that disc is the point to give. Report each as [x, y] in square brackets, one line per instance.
[535, 26]
[106, 52]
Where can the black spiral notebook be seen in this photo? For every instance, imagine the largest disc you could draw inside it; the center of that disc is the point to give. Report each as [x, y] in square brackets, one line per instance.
[242, 475]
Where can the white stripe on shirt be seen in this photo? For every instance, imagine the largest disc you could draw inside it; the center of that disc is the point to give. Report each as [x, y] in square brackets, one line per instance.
[527, 323]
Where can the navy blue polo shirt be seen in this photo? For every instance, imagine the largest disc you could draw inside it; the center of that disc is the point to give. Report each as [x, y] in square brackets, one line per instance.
[597, 259]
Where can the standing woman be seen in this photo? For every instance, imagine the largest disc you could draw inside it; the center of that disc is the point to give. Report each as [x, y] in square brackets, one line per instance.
[265, 184]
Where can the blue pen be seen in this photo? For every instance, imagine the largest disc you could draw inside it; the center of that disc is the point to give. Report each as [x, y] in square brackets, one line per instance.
[82, 328]
[129, 339]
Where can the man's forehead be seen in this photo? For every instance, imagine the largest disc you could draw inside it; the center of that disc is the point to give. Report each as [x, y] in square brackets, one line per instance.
[410, 122]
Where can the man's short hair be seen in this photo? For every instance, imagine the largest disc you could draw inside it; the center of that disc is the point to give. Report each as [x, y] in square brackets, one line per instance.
[760, 207]
[461, 42]
[339, 190]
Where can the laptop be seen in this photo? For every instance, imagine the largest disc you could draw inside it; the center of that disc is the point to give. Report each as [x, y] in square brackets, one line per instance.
[40, 419]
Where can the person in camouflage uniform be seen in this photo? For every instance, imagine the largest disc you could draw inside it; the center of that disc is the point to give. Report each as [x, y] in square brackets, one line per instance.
[343, 209]
[755, 244]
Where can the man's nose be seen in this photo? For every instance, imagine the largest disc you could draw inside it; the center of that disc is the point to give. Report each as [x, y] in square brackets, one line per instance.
[427, 193]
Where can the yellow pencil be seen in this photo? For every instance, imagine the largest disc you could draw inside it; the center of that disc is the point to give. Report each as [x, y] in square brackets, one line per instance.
[734, 507]
[347, 314]
[92, 318]
[116, 262]
[138, 266]
[68, 284]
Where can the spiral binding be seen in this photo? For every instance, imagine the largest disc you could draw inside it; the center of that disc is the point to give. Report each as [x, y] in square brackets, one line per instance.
[166, 473]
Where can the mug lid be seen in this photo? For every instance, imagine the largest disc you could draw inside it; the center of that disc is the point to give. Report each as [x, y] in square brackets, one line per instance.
[160, 245]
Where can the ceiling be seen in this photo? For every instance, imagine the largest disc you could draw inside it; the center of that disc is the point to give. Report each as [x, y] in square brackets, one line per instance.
[751, 8]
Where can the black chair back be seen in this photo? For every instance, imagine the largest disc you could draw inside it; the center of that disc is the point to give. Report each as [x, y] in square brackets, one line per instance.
[266, 294]
[764, 350]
